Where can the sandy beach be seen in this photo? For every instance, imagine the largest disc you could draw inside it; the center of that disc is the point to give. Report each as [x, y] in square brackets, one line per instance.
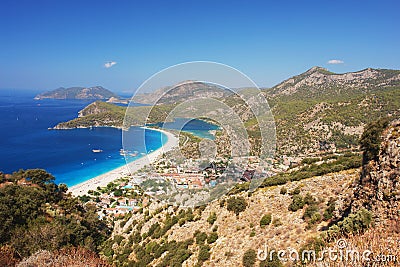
[125, 170]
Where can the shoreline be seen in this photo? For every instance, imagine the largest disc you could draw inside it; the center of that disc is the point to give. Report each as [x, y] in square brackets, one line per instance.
[127, 169]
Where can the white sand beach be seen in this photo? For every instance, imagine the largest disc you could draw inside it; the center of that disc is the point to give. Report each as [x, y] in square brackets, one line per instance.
[104, 179]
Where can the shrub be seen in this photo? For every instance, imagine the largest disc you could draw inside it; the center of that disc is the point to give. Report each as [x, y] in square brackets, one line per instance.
[200, 237]
[122, 223]
[309, 212]
[249, 258]
[297, 203]
[182, 221]
[215, 228]
[118, 239]
[212, 238]
[295, 191]
[204, 254]
[266, 220]
[370, 140]
[283, 190]
[309, 199]
[212, 218]
[252, 233]
[309, 160]
[154, 230]
[135, 237]
[236, 204]
[118, 193]
[354, 223]
[328, 213]
[315, 218]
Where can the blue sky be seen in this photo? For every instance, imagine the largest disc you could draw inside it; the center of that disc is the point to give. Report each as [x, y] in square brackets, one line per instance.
[47, 44]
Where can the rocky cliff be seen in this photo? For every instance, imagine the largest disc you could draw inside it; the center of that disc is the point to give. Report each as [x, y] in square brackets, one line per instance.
[379, 186]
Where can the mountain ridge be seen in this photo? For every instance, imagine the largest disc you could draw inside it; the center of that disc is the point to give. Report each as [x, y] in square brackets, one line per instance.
[362, 79]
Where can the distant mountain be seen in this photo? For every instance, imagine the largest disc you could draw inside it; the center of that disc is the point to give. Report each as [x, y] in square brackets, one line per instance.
[95, 93]
[181, 92]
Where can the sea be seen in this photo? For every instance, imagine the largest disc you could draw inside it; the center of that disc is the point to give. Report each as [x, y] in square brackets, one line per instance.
[26, 141]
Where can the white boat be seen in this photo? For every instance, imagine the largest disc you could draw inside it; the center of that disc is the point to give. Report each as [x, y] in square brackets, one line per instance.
[97, 150]
[123, 152]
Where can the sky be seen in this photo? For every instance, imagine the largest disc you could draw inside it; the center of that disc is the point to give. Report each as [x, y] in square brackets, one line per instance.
[119, 44]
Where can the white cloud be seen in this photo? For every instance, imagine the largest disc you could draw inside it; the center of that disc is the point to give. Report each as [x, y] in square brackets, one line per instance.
[335, 61]
[109, 64]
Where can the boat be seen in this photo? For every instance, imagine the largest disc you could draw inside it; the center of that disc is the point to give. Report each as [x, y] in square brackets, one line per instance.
[123, 152]
[97, 150]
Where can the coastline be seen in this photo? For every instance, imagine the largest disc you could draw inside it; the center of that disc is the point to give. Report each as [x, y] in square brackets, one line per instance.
[127, 169]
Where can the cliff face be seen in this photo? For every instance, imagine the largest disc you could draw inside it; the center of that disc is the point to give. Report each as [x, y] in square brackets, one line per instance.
[379, 186]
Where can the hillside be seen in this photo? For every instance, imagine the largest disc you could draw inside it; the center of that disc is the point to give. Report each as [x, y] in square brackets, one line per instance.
[310, 213]
[96, 114]
[304, 211]
[89, 93]
[320, 111]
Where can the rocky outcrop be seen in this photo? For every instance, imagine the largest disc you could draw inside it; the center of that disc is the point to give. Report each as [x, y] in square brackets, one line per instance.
[378, 188]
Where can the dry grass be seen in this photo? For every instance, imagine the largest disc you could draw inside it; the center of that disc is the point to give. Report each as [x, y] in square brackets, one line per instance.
[67, 257]
[383, 242]
[7, 256]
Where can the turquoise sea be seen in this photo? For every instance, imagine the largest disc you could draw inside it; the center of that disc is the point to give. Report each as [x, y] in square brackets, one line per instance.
[199, 128]
[26, 142]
